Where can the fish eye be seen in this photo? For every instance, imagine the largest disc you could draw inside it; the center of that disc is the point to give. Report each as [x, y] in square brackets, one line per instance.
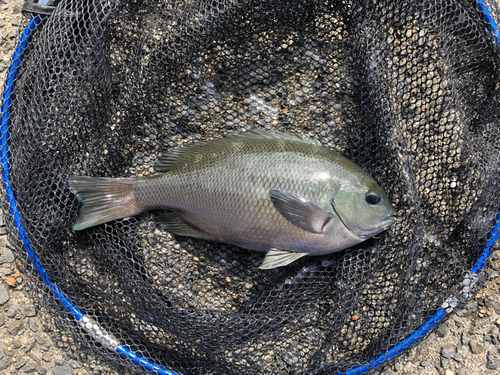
[372, 197]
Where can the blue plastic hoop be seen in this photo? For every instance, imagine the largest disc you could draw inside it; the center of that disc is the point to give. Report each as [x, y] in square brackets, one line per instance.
[107, 339]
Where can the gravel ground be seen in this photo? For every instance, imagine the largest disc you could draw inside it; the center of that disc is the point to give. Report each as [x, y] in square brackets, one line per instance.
[468, 343]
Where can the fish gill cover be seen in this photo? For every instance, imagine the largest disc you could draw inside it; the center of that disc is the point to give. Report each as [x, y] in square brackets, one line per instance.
[409, 91]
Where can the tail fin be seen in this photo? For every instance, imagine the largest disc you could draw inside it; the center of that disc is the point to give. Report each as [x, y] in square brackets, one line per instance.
[103, 199]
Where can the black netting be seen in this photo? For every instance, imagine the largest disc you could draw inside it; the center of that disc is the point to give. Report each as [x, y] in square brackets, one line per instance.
[407, 90]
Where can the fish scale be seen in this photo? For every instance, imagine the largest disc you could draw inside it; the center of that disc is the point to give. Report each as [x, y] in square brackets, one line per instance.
[265, 191]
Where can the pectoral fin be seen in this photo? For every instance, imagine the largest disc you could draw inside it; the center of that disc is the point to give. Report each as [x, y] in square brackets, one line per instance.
[299, 211]
[279, 258]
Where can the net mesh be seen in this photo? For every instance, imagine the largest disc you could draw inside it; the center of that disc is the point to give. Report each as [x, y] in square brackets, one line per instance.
[407, 90]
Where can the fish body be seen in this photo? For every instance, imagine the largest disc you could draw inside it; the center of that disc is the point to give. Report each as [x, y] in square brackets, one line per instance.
[283, 194]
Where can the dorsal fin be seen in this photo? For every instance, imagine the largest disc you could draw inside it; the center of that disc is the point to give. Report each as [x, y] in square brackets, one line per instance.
[191, 154]
[268, 134]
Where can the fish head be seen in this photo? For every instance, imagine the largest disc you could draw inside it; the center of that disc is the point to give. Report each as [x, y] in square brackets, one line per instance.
[364, 208]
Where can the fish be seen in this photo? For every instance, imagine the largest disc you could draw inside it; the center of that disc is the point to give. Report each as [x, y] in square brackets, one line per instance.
[284, 194]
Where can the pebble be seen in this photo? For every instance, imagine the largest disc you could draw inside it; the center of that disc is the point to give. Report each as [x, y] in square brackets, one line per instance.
[19, 364]
[458, 357]
[475, 347]
[465, 338]
[448, 351]
[32, 325]
[59, 362]
[449, 372]
[6, 255]
[28, 310]
[41, 370]
[29, 369]
[11, 312]
[75, 364]
[2, 318]
[5, 363]
[425, 363]
[29, 346]
[496, 307]
[444, 362]
[61, 370]
[490, 357]
[15, 327]
[443, 330]
[493, 365]
[468, 310]
[4, 293]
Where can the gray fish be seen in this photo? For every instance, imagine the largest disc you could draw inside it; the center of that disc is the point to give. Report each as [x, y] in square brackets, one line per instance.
[284, 194]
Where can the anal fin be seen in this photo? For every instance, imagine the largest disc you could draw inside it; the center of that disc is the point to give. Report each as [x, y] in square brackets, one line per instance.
[173, 223]
[279, 258]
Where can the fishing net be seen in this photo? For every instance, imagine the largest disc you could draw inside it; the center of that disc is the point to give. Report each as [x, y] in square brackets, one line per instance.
[407, 90]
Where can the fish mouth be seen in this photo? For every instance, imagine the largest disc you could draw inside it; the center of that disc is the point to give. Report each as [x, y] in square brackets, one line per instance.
[385, 223]
[388, 221]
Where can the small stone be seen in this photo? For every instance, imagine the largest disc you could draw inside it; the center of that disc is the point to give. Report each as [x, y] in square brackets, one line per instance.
[39, 340]
[444, 362]
[468, 310]
[465, 338]
[443, 330]
[32, 325]
[4, 293]
[41, 370]
[19, 364]
[61, 370]
[28, 310]
[475, 347]
[448, 351]
[11, 313]
[459, 323]
[29, 369]
[59, 362]
[398, 366]
[458, 357]
[425, 363]
[16, 21]
[449, 372]
[493, 365]
[2, 318]
[16, 343]
[6, 255]
[5, 363]
[491, 339]
[496, 307]
[5, 271]
[75, 364]
[490, 357]
[15, 327]
[29, 346]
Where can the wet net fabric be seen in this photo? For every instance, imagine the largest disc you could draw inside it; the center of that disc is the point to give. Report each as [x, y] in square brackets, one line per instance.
[407, 90]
